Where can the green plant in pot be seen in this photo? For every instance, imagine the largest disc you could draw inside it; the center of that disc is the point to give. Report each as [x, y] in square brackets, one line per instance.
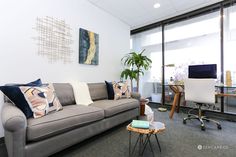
[136, 63]
[129, 73]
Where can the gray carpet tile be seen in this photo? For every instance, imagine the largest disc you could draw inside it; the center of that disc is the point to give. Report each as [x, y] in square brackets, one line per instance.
[3, 151]
[178, 140]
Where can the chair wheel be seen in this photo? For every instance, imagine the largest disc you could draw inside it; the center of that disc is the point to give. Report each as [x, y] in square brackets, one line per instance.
[189, 115]
[207, 120]
[219, 126]
[203, 128]
[184, 121]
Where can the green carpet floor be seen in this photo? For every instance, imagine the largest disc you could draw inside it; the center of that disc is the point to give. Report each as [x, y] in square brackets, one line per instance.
[178, 140]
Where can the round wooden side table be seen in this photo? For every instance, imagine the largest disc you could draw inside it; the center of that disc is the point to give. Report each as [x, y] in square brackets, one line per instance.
[154, 129]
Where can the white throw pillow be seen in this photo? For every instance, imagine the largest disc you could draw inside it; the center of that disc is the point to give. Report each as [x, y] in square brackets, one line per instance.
[81, 93]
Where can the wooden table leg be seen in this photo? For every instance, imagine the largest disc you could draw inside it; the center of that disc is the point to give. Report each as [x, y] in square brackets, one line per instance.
[178, 107]
[176, 98]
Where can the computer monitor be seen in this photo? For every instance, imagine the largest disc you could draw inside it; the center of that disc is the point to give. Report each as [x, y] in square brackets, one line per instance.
[202, 71]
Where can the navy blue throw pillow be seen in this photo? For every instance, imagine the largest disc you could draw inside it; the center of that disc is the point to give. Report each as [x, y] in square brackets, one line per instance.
[14, 93]
[110, 90]
[37, 82]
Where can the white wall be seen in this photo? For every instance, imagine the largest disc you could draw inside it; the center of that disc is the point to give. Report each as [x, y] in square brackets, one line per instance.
[19, 61]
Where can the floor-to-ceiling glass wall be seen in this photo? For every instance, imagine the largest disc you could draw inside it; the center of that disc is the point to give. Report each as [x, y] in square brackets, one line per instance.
[229, 59]
[191, 42]
[191, 39]
[151, 81]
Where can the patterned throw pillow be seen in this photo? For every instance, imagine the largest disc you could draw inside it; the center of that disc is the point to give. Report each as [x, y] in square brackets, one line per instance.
[36, 98]
[41, 100]
[53, 101]
[121, 90]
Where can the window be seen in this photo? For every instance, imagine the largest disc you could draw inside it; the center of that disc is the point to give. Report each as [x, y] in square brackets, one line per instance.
[151, 81]
[229, 60]
[230, 41]
[195, 40]
[191, 42]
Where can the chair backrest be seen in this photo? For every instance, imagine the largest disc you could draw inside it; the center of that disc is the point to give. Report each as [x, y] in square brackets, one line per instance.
[200, 90]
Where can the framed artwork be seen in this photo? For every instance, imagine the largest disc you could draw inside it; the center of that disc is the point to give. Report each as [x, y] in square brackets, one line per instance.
[88, 47]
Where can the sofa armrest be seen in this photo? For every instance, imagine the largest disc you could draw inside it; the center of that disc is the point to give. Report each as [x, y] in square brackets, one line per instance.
[13, 119]
[135, 95]
[14, 123]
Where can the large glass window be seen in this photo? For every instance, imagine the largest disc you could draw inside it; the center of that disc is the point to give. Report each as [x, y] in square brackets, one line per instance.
[191, 42]
[229, 59]
[151, 81]
[197, 45]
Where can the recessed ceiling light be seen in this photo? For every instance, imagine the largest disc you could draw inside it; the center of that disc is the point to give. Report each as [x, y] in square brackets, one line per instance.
[156, 5]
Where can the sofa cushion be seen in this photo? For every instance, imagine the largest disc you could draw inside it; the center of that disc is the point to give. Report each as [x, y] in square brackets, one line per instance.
[112, 107]
[65, 94]
[98, 91]
[72, 116]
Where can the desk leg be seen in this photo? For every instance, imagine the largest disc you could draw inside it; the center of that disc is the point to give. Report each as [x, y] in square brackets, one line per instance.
[179, 98]
[176, 98]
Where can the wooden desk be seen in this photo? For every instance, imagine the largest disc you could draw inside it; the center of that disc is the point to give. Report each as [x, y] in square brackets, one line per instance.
[225, 94]
[221, 87]
[178, 90]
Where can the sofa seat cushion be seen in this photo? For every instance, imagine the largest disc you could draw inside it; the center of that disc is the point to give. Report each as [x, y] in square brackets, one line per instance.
[71, 117]
[112, 107]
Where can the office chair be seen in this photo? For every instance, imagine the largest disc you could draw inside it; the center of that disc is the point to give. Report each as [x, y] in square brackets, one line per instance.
[202, 92]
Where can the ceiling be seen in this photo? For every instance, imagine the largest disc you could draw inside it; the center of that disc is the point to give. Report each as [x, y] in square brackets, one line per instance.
[138, 13]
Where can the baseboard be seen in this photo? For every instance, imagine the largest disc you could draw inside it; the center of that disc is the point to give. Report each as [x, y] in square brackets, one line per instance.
[213, 114]
[2, 140]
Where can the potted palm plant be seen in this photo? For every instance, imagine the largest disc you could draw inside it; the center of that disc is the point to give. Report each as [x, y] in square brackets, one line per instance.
[136, 63]
[129, 73]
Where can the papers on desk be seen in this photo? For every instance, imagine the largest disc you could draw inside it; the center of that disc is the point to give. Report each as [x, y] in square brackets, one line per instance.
[140, 124]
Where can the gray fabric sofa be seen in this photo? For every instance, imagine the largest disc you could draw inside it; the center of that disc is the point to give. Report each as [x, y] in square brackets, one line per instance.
[56, 131]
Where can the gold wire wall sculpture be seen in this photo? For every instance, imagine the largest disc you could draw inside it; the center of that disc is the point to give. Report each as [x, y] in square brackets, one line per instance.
[54, 39]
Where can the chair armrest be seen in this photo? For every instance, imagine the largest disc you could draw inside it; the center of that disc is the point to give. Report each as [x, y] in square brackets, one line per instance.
[13, 119]
[135, 95]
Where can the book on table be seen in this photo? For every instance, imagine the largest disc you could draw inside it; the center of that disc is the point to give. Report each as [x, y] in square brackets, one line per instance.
[140, 124]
